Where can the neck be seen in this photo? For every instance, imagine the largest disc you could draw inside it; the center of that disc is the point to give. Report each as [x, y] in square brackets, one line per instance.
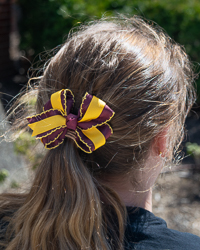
[133, 197]
[135, 189]
[138, 199]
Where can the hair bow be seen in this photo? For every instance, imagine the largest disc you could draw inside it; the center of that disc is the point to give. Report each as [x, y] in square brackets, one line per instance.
[56, 121]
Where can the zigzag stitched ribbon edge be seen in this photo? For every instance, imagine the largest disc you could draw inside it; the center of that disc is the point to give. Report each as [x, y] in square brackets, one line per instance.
[56, 121]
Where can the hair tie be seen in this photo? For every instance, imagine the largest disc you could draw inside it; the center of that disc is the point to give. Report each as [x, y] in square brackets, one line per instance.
[90, 125]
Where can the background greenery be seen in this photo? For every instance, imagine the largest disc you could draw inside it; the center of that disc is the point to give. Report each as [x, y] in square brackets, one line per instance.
[46, 23]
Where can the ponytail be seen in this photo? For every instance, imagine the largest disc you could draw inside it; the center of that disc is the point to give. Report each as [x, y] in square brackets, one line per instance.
[64, 209]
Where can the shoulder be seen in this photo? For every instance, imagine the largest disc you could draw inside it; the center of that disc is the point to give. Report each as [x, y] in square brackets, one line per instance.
[146, 231]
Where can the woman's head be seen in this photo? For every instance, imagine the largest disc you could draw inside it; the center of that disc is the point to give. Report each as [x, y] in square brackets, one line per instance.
[139, 72]
[146, 79]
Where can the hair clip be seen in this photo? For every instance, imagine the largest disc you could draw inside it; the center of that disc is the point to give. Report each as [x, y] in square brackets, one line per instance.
[89, 129]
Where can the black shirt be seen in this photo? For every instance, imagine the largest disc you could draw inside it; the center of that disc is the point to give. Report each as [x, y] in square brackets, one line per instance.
[145, 231]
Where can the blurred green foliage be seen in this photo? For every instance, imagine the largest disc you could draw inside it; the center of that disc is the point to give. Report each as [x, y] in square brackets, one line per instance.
[23, 143]
[3, 175]
[26, 145]
[193, 149]
[46, 23]
[14, 184]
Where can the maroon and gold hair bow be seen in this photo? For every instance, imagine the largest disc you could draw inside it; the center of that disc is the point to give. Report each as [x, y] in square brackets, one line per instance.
[90, 125]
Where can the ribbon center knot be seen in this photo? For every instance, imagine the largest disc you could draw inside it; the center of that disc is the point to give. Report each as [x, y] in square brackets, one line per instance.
[71, 121]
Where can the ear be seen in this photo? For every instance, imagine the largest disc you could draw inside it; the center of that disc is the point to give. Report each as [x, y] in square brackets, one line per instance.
[160, 143]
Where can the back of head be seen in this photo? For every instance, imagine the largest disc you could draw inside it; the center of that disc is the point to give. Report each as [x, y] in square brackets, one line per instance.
[146, 79]
[138, 71]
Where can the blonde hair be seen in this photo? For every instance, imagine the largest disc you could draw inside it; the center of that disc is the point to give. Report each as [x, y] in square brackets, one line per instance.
[146, 79]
